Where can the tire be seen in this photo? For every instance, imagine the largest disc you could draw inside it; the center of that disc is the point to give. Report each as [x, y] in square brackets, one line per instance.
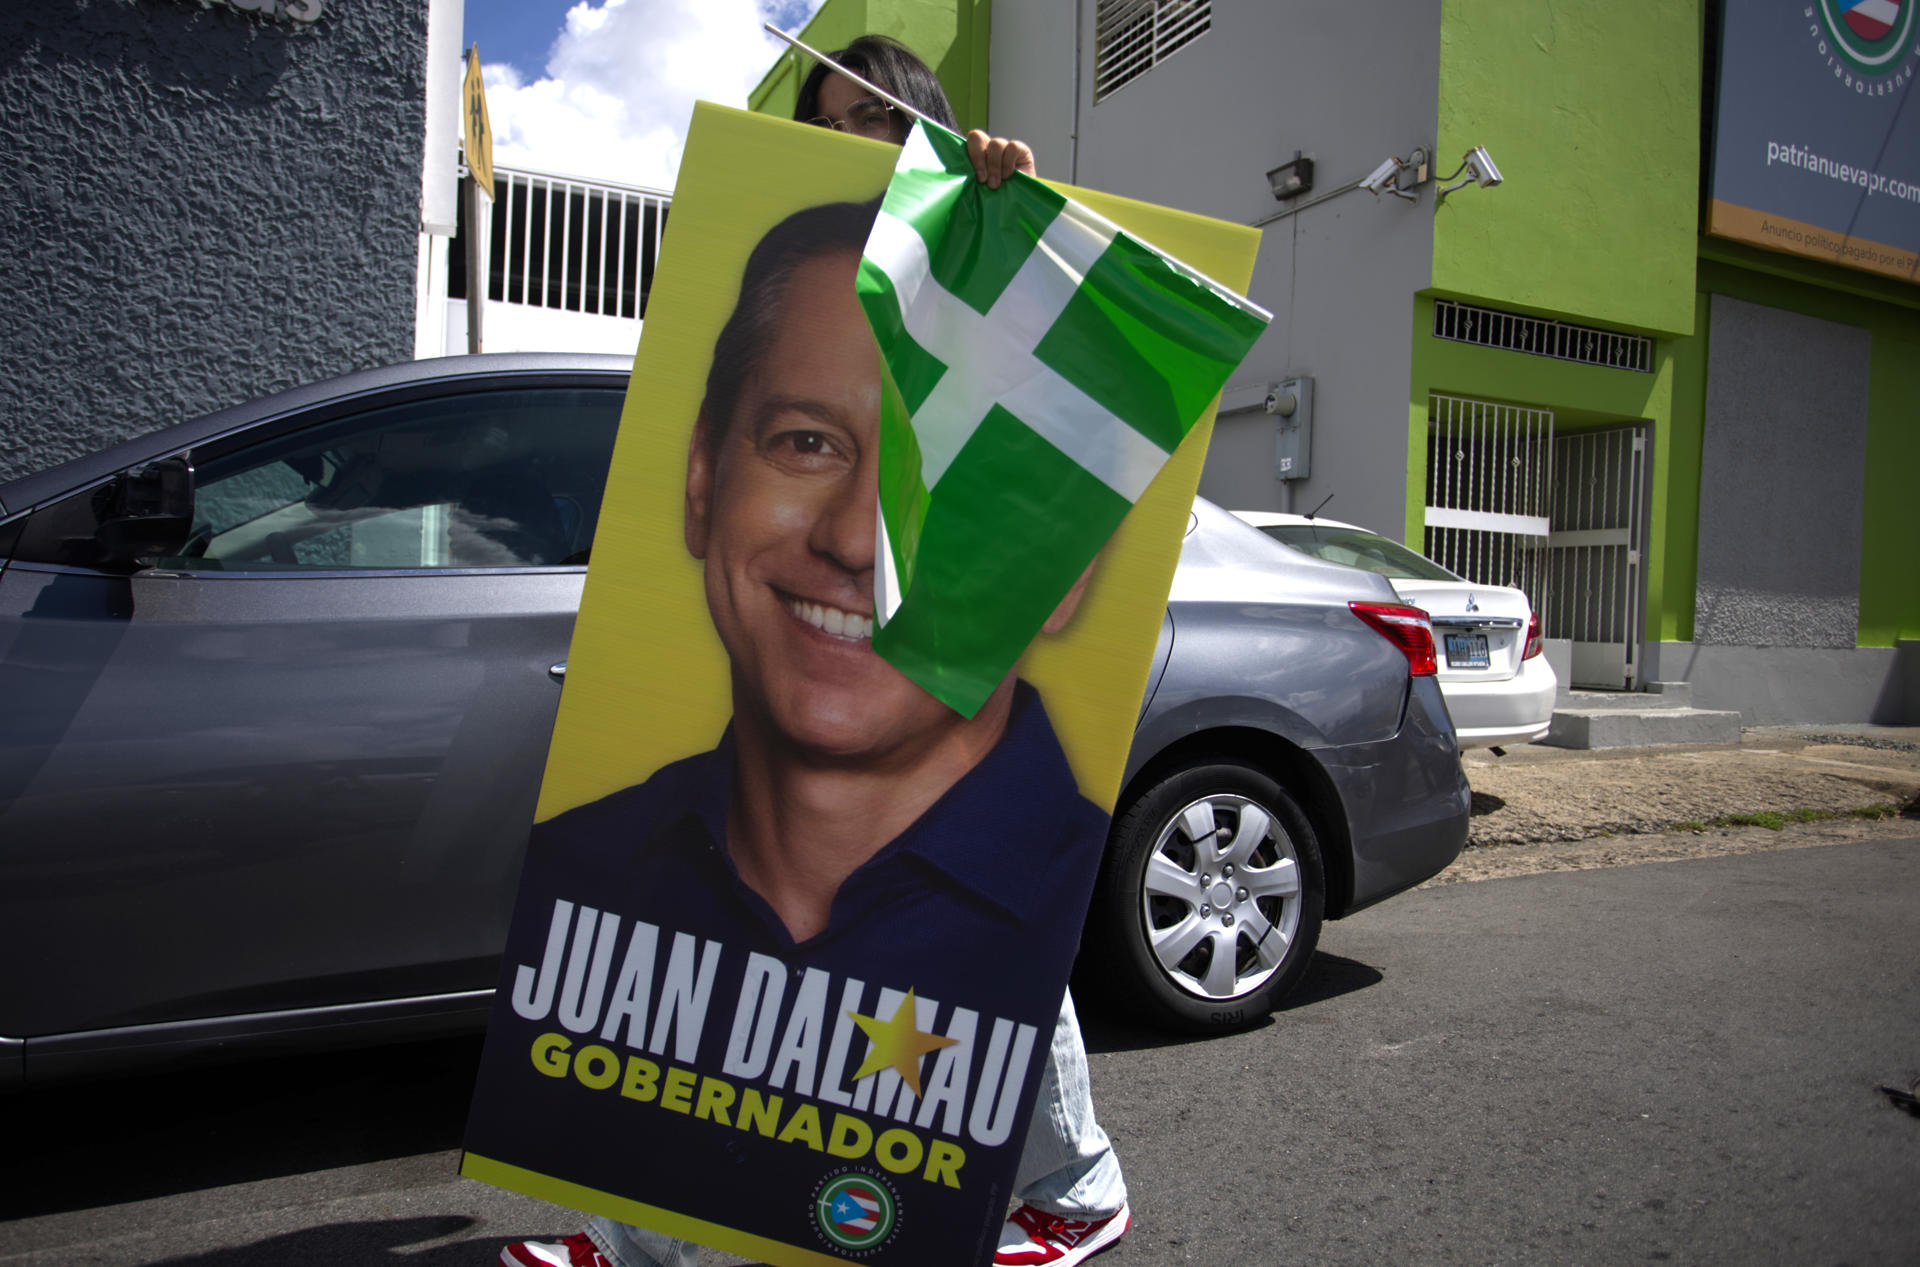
[1212, 831]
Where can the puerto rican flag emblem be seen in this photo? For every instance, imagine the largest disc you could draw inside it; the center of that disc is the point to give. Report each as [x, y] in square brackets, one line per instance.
[856, 1211]
[1872, 19]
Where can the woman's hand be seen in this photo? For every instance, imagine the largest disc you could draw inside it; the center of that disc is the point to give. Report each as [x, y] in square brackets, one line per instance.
[997, 158]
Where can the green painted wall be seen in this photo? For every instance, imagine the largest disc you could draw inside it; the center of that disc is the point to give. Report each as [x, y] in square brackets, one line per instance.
[1592, 112]
[1580, 396]
[1889, 528]
[1671, 611]
[952, 36]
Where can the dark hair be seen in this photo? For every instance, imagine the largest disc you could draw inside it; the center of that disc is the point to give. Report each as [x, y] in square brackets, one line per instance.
[888, 64]
[803, 236]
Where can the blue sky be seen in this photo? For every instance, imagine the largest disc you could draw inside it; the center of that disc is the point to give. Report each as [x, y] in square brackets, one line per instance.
[516, 31]
[603, 88]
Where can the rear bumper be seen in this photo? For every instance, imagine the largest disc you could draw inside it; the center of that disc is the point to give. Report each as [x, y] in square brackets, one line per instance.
[1406, 800]
[1515, 711]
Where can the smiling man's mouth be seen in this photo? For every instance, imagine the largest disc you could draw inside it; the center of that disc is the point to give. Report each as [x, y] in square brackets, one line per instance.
[831, 620]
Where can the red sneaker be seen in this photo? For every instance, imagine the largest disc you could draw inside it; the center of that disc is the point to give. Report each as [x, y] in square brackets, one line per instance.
[577, 1250]
[1032, 1236]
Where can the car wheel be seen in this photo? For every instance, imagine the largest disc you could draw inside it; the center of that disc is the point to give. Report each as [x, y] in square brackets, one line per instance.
[1209, 904]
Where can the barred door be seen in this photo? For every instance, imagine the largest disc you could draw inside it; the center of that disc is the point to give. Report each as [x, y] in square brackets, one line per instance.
[1594, 573]
[1489, 485]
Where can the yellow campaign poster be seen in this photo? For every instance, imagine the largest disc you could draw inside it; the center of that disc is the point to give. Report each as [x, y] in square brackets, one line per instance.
[792, 936]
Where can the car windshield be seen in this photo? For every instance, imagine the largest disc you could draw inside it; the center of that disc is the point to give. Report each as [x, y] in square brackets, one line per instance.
[1358, 549]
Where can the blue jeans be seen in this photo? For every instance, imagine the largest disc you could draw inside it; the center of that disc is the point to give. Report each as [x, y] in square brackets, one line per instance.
[1066, 1167]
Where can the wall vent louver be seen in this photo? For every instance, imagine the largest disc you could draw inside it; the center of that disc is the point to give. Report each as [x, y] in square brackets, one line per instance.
[1541, 336]
[1131, 37]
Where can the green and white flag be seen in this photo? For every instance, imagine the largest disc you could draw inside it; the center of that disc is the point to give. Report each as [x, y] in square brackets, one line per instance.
[1040, 368]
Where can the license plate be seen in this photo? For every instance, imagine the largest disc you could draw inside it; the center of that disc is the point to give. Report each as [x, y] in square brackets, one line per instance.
[1467, 651]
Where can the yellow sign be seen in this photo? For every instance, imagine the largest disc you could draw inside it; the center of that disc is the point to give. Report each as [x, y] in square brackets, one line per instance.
[476, 132]
[647, 604]
[848, 1080]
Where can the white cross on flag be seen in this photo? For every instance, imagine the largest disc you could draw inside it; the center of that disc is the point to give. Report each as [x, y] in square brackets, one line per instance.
[1040, 367]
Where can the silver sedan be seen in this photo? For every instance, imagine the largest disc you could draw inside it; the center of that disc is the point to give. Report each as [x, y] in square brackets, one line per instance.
[279, 683]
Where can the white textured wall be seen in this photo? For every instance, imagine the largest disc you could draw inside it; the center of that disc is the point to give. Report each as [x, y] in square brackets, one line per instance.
[525, 328]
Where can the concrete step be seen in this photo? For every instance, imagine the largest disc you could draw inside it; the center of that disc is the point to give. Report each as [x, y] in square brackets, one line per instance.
[1616, 726]
[1656, 695]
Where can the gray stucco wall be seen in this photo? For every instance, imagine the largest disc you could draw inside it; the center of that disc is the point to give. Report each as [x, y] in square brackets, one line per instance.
[202, 206]
[1782, 465]
[1792, 686]
[1199, 132]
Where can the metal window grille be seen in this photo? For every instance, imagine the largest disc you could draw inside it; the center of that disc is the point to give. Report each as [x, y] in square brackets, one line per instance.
[1489, 492]
[1540, 336]
[580, 246]
[1131, 37]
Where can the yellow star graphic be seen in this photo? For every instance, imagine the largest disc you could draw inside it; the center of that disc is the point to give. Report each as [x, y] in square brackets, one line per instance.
[898, 1044]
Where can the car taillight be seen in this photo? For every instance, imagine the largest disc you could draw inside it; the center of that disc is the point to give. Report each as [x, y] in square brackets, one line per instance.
[1407, 628]
[1535, 643]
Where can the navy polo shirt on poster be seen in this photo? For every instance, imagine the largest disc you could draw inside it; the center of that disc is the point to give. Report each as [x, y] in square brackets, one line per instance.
[665, 1011]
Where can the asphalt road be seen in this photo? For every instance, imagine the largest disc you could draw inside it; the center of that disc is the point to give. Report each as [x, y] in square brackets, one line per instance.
[1674, 1062]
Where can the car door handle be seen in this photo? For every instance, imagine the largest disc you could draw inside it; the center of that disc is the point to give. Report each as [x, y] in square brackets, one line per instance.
[558, 672]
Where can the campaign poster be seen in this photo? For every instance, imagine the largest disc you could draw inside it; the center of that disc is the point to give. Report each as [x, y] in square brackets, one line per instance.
[711, 1022]
[1815, 149]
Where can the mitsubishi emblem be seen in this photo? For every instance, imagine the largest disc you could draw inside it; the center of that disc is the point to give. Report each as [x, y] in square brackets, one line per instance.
[1471, 605]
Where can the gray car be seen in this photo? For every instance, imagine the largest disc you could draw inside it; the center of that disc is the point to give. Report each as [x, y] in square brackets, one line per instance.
[1293, 762]
[278, 684]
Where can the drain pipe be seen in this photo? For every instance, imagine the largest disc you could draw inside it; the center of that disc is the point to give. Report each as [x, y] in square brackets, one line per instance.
[1073, 141]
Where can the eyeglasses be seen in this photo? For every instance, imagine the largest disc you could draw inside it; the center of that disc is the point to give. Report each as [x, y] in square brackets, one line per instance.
[869, 117]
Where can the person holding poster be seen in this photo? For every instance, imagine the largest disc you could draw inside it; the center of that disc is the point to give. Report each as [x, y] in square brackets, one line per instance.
[847, 818]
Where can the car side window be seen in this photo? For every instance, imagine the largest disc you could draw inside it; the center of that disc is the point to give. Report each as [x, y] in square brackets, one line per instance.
[486, 479]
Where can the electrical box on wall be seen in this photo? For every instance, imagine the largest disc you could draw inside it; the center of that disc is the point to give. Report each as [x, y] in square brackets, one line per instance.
[1291, 404]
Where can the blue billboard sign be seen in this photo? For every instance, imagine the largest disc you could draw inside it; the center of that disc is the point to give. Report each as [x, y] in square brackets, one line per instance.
[1814, 152]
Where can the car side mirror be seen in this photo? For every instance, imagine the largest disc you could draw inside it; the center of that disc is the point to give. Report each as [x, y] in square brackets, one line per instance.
[147, 512]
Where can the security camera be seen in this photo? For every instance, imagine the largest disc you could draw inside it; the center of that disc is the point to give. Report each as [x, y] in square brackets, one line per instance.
[1479, 168]
[1480, 163]
[1388, 178]
[1382, 177]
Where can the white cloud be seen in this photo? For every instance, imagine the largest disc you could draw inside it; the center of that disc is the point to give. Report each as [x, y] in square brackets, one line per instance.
[621, 81]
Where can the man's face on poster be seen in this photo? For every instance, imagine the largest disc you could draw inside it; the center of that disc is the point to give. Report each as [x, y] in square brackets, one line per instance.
[782, 509]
